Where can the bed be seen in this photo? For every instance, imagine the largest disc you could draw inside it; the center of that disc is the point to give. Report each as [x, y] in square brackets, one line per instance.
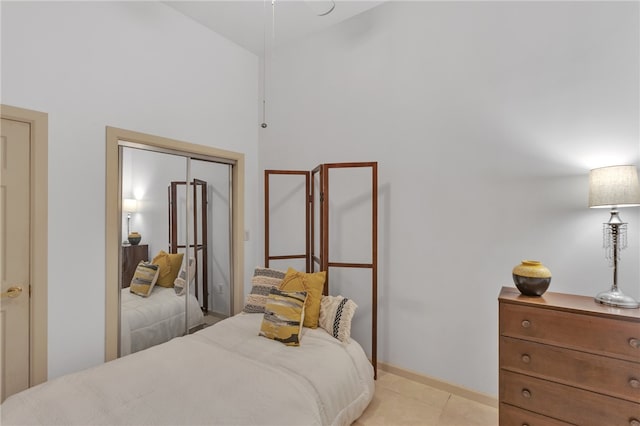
[224, 374]
[158, 318]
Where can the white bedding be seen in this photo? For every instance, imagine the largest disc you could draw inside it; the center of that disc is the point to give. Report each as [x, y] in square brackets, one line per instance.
[149, 321]
[225, 374]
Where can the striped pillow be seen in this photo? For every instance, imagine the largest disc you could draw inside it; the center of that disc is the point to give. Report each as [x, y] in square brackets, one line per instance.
[283, 316]
[264, 279]
[144, 278]
[335, 316]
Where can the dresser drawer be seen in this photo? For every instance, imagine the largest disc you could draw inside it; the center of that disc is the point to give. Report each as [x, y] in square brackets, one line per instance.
[565, 403]
[617, 338]
[592, 372]
[513, 416]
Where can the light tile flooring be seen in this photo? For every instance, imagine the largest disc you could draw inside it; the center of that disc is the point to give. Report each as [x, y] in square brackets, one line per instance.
[399, 401]
[210, 319]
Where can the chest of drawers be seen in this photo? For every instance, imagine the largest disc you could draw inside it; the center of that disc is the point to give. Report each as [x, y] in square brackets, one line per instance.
[566, 360]
[131, 256]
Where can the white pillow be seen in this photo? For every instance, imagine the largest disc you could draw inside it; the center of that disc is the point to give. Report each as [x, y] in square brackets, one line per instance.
[180, 284]
[336, 313]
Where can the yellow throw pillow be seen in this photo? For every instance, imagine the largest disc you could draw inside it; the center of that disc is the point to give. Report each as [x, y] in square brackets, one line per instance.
[283, 315]
[162, 260]
[313, 284]
[168, 274]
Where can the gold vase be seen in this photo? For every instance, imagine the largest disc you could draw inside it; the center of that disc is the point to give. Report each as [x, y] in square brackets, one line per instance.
[134, 238]
[531, 277]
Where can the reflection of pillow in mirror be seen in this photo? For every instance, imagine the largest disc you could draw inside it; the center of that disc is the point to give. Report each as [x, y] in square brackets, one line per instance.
[162, 260]
[144, 278]
[175, 261]
[180, 283]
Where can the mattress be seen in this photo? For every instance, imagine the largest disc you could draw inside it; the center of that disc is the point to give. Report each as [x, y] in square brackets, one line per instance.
[149, 321]
[225, 374]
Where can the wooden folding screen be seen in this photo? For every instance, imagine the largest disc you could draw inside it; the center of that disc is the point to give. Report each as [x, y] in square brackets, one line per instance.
[198, 244]
[323, 261]
[307, 206]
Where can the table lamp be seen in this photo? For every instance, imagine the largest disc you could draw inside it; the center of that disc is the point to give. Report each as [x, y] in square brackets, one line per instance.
[129, 205]
[613, 187]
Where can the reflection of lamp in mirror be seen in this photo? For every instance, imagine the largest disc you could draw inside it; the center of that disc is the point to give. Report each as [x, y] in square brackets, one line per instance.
[613, 187]
[129, 205]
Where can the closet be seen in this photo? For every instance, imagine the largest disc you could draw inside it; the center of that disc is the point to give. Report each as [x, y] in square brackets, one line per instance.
[141, 166]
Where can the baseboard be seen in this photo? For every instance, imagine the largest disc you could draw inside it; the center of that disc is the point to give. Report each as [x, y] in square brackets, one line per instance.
[439, 384]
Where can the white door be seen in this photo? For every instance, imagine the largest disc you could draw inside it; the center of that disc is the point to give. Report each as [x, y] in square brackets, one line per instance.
[14, 256]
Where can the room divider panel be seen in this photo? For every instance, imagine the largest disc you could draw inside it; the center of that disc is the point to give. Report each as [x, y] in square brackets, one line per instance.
[316, 253]
[198, 242]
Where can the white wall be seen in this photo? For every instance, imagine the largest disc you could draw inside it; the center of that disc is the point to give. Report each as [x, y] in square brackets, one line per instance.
[485, 118]
[135, 65]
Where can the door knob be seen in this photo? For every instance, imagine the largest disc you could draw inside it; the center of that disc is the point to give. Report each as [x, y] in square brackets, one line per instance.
[12, 293]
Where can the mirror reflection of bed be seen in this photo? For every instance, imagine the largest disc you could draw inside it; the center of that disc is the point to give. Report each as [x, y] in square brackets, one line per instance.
[181, 210]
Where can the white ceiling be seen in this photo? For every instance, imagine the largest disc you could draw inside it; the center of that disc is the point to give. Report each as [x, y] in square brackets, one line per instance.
[243, 21]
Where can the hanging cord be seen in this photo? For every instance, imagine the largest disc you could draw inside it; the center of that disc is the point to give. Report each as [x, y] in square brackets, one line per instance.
[264, 64]
[264, 54]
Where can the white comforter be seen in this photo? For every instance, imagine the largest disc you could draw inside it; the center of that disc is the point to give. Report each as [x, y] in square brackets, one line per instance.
[149, 321]
[225, 375]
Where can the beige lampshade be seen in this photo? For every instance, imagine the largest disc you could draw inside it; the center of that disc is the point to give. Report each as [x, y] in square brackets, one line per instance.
[129, 205]
[614, 186]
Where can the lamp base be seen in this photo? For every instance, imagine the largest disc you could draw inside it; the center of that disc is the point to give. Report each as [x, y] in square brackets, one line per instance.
[615, 297]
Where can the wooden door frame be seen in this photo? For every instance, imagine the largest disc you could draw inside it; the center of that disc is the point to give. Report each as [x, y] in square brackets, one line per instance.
[38, 223]
[114, 217]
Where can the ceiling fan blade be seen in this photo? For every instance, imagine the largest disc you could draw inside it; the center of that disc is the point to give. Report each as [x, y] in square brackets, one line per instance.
[321, 7]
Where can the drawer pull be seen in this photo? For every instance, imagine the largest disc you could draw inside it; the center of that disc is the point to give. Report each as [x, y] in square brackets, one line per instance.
[634, 383]
[634, 422]
[634, 343]
[527, 324]
[526, 358]
[526, 393]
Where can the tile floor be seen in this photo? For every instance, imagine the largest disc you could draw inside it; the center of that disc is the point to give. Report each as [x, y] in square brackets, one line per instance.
[399, 401]
[210, 319]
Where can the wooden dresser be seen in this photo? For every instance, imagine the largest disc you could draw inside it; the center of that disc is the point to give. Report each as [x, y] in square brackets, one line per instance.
[565, 359]
[131, 256]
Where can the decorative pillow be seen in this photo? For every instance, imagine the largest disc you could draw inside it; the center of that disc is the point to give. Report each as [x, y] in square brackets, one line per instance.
[264, 279]
[283, 314]
[164, 266]
[313, 284]
[180, 283]
[335, 316]
[169, 267]
[144, 278]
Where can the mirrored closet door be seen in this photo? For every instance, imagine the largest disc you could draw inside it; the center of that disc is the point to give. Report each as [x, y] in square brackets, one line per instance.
[175, 259]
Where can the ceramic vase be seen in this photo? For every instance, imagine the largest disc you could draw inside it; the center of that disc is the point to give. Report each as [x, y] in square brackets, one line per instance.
[134, 238]
[531, 277]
